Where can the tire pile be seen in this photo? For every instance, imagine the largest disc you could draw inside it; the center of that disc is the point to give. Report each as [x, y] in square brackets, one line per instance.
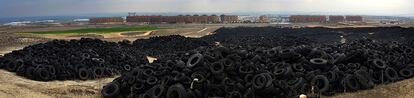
[248, 62]
[67, 60]
[87, 58]
[257, 72]
[162, 45]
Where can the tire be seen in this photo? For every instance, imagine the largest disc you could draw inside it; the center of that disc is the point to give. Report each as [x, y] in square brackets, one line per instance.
[259, 81]
[321, 82]
[245, 69]
[176, 91]
[378, 63]
[201, 78]
[298, 68]
[138, 88]
[363, 79]
[235, 94]
[43, 74]
[332, 76]
[111, 90]
[148, 72]
[217, 68]
[390, 74]
[30, 72]
[98, 72]
[351, 83]
[194, 60]
[406, 72]
[318, 63]
[157, 91]
[279, 72]
[83, 74]
[127, 67]
[152, 80]
[296, 83]
[227, 62]
[14, 65]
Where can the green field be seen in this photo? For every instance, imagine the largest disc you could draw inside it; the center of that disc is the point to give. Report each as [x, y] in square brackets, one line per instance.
[99, 30]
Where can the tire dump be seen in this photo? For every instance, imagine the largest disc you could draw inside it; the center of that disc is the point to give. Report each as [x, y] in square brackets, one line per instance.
[248, 62]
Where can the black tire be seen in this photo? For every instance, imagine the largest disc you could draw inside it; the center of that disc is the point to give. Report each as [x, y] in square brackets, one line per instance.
[298, 68]
[364, 79]
[216, 68]
[406, 72]
[318, 63]
[235, 94]
[127, 67]
[30, 72]
[390, 74]
[332, 76]
[14, 65]
[378, 63]
[98, 72]
[201, 78]
[296, 83]
[138, 88]
[227, 62]
[148, 72]
[194, 60]
[111, 90]
[152, 80]
[245, 69]
[279, 72]
[83, 74]
[157, 91]
[43, 74]
[321, 82]
[176, 91]
[350, 83]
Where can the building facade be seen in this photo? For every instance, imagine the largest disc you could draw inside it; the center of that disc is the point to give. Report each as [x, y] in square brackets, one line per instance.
[174, 19]
[307, 18]
[106, 20]
[354, 18]
[336, 19]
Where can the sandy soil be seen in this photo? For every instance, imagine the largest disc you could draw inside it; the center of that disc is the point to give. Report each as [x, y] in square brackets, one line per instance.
[16, 86]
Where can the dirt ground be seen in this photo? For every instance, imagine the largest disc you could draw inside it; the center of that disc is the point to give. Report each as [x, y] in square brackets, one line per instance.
[12, 85]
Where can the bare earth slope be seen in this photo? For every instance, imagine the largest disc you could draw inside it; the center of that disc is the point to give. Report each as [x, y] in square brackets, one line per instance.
[16, 86]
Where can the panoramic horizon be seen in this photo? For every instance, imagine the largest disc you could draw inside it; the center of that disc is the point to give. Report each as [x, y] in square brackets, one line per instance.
[23, 8]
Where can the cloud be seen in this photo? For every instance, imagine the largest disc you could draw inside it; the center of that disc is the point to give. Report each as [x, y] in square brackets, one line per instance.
[69, 7]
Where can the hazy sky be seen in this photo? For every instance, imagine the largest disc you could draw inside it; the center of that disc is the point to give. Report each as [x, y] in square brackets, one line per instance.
[76, 7]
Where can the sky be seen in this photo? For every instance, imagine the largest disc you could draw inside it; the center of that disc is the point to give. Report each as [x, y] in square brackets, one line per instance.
[13, 8]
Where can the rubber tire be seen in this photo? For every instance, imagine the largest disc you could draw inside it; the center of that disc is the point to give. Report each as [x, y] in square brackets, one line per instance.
[321, 82]
[43, 74]
[351, 83]
[111, 90]
[198, 60]
[216, 68]
[98, 72]
[378, 63]
[176, 91]
[83, 73]
[391, 74]
[406, 72]
[157, 91]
